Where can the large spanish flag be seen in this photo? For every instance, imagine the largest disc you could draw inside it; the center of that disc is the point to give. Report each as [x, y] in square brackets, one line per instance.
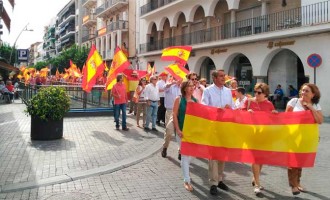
[118, 65]
[177, 71]
[285, 139]
[176, 53]
[93, 68]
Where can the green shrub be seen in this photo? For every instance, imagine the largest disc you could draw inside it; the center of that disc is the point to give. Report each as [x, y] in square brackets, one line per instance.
[49, 103]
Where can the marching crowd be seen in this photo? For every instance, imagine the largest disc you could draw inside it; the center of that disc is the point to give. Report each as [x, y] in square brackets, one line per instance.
[165, 99]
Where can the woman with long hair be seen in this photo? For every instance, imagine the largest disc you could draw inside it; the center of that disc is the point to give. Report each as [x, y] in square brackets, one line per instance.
[179, 110]
[308, 100]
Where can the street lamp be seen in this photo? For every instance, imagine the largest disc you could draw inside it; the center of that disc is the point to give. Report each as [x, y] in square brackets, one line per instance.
[14, 45]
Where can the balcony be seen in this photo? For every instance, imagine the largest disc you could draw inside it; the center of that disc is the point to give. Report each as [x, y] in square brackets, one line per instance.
[89, 20]
[118, 25]
[89, 3]
[305, 16]
[87, 37]
[110, 7]
[153, 5]
[70, 16]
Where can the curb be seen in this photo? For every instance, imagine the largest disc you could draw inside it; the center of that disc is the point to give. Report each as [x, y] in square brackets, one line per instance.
[84, 174]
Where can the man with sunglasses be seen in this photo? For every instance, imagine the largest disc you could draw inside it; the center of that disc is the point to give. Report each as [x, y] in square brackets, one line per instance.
[217, 95]
[198, 88]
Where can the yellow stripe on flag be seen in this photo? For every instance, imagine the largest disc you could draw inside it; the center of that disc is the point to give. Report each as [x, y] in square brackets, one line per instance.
[280, 138]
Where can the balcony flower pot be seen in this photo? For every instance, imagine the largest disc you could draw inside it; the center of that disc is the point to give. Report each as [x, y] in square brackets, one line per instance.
[47, 109]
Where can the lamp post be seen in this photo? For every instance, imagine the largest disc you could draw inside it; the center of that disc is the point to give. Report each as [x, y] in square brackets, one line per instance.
[14, 45]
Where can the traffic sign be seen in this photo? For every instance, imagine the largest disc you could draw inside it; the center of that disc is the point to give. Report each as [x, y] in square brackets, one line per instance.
[314, 60]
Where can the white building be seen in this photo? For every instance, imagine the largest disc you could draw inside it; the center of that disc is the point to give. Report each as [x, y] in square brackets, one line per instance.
[253, 40]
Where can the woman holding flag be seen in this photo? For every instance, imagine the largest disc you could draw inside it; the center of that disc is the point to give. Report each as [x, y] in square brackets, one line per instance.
[309, 99]
[258, 103]
[179, 110]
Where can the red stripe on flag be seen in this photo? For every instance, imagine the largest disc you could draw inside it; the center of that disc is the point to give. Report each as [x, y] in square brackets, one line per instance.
[244, 117]
[248, 155]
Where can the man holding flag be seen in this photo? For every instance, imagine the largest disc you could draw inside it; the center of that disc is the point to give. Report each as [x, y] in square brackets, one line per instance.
[217, 95]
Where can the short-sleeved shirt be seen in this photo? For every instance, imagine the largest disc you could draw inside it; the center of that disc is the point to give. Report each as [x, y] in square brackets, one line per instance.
[119, 89]
[259, 106]
[296, 105]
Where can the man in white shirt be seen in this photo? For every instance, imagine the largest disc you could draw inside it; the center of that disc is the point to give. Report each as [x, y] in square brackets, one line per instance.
[161, 109]
[152, 98]
[172, 90]
[217, 95]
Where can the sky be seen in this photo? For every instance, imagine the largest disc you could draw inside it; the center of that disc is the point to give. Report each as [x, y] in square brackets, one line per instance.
[36, 13]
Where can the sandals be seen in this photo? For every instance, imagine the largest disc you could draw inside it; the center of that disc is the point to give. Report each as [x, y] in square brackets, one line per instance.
[301, 189]
[188, 186]
[260, 187]
[295, 191]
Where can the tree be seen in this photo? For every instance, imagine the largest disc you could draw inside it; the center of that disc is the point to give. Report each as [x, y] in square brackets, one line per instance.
[5, 51]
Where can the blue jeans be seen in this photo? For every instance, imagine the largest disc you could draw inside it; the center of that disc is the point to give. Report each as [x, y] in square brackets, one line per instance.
[185, 163]
[117, 109]
[152, 114]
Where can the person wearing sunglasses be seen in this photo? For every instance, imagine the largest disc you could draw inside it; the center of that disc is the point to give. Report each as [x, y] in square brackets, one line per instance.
[309, 100]
[259, 102]
[198, 88]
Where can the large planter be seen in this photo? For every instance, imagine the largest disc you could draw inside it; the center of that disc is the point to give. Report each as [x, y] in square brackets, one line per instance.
[46, 130]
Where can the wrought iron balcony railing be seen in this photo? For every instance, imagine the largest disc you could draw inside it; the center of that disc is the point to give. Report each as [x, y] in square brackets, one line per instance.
[303, 16]
[153, 5]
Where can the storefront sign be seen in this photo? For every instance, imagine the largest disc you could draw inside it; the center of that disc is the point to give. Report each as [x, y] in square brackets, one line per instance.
[218, 50]
[280, 44]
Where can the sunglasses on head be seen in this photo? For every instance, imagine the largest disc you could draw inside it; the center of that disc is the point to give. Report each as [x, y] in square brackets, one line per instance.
[258, 92]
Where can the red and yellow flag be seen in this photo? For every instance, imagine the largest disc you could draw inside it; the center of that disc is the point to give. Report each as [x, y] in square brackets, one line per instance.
[44, 72]
[118, 65]
[286, 139]
[177, 71]
[94, 67]
[150, 71]
[177, 53]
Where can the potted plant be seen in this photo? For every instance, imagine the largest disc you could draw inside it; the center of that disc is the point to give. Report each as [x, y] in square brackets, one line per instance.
[47, 109]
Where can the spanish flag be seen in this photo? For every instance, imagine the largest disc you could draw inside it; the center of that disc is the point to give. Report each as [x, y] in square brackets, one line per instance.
[287, 139]
[150, 71]
[177, 53]
[118, 65]
[94, 67]
[177, 71]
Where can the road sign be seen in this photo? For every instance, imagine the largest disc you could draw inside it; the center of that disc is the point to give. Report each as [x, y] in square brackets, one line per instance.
[314, 60]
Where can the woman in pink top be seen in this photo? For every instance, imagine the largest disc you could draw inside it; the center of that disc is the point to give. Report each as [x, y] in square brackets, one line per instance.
[258, 103]
[119, 94]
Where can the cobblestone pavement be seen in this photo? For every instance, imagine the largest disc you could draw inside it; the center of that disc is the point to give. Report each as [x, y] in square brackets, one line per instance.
[94, 161]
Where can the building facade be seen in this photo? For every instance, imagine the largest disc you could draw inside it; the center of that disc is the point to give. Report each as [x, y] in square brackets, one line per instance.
[65, 31]
[254, 40]
[108, 24]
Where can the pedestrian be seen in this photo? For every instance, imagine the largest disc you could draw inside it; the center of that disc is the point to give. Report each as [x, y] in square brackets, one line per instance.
[240, 97]
[198, 88]
[120, 101]
[217, 95]
[308, 100]
[179, 110]
[259, 103]
[133, 82]
[141, 102]
[172, 90]
[161, 109]
[152, 98]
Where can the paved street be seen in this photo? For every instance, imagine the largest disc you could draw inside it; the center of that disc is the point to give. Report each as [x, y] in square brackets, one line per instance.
[95, 161]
